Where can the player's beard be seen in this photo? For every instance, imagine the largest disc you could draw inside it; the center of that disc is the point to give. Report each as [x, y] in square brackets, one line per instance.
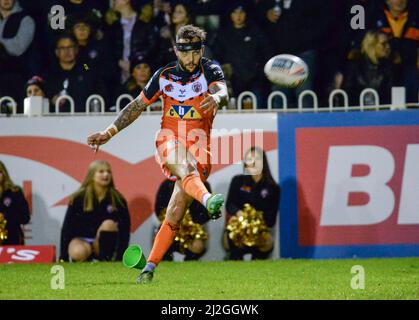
[185, 67]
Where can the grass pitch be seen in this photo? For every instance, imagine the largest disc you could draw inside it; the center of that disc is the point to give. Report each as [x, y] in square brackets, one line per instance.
[281, 279]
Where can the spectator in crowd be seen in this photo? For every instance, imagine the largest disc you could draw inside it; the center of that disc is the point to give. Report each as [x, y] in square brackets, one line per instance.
[141, 72]
[69, 76]
[179, 17]
[92, 10]
[35, 87]
[146, 10]
[243, 49]
[17, 31]
[97, 222]
[198, 213]
[162, 10]
[400, 20]
[94, 51]
[373, 69]
[210, 15]
[98, 7]
[257, 188]
[14, 209]
[296, 27]
[130, 36]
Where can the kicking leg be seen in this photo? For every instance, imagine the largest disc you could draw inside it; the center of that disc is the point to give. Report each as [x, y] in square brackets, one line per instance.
[183, 165]
[175, 212]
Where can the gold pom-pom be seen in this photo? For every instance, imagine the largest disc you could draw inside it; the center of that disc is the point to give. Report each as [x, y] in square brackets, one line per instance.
[188, 231]
[3, 230]
[248, 230]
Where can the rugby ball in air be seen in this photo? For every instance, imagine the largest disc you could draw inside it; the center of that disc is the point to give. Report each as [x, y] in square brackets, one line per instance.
[286, 70]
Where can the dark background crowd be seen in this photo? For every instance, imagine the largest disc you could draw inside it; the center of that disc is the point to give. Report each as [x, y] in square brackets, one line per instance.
[113, 47]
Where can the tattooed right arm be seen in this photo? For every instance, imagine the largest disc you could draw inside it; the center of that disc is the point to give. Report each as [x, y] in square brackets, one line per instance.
[130, 113]
[127, 116]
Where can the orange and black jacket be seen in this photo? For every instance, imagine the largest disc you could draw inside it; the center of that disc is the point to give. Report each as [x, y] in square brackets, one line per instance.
[404, 31]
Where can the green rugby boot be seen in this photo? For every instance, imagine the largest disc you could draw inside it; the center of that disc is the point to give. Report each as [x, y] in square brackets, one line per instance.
[145, 277]
[214, 205]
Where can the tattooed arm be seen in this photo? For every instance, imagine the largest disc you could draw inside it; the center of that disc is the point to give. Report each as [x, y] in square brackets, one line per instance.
[130, 113]
[127, 116]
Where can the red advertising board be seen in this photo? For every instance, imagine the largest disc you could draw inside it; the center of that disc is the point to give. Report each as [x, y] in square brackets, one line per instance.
[27, 254]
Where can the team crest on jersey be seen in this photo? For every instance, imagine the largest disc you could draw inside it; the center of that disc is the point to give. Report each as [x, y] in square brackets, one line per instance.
[168, 88]
[197, 87]
[183, 112]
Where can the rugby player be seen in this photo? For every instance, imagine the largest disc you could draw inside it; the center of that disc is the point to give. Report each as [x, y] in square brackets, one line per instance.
[193, 89]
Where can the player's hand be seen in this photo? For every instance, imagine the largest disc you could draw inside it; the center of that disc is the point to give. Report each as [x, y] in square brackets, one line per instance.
[209, 105]
[96, 139]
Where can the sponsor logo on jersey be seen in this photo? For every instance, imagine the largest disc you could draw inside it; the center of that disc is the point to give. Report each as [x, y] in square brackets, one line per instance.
[196, 75]
[176, 78]
[182, 93]
[183, 112]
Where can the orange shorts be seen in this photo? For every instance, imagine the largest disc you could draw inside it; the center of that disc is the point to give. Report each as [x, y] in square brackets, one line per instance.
[201, 155]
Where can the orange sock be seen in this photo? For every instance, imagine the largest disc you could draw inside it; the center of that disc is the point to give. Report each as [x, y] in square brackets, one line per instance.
[163, 241]
[194, 187]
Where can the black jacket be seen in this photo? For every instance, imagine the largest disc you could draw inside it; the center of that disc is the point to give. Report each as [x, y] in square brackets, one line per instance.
[81, 224]
[82, 82]
[15, 209]
[97, 56]
[361, 74]
[262, 196]
[246, 49]
[144, 40]
[198, 212]
[300, 28]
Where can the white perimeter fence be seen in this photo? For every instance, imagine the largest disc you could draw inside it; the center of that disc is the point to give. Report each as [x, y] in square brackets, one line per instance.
[398, 102]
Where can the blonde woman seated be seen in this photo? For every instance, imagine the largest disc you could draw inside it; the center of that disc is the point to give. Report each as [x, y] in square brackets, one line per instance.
[97, 222]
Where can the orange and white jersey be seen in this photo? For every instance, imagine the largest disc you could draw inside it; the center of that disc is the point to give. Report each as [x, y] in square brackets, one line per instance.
[182, 94]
